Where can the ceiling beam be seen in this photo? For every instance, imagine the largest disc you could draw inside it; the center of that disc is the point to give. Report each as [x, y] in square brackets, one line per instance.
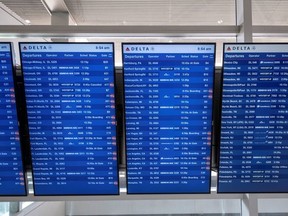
[244, 20]
[53, 6]
[137, 31]
[118, 31]
[270, 31]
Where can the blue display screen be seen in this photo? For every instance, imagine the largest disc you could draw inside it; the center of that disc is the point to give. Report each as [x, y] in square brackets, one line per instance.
[69, 92]
[254, 119]
[12, 179]
[168, 109]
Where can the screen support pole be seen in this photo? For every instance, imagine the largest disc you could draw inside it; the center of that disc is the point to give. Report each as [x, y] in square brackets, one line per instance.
[244, 20]
[249, 205]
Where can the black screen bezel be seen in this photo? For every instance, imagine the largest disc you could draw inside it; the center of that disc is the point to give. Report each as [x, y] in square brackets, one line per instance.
[124, 114]
[117, 147]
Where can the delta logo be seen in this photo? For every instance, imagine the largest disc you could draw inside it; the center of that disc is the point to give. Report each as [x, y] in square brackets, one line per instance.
[37, 47]
[139, 49]
[240, 48]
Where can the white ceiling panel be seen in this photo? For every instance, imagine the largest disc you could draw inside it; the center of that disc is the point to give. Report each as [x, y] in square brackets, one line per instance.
[32, 10]
[152, 12]
[8, 17]
[270, 12]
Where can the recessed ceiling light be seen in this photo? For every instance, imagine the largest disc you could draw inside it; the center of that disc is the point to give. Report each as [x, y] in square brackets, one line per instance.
[220, 21]
[28, 21]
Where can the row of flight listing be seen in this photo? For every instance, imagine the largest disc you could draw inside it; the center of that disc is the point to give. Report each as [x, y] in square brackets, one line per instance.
[69, 105]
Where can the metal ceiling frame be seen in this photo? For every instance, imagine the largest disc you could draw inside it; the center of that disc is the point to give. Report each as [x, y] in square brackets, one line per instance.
[137, 31]
[117, 31]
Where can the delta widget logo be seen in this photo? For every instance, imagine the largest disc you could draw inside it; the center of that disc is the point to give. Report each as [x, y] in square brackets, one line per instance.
[37, 47]
[240, 48]
[139, 49]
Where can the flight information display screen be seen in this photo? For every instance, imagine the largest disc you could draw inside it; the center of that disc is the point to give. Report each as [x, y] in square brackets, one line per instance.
[69, 90]
[254, 119]
[168, 114]
[12, 179]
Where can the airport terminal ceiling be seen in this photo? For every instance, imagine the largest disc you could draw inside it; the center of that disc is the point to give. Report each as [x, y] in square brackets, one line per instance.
[160, 12]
